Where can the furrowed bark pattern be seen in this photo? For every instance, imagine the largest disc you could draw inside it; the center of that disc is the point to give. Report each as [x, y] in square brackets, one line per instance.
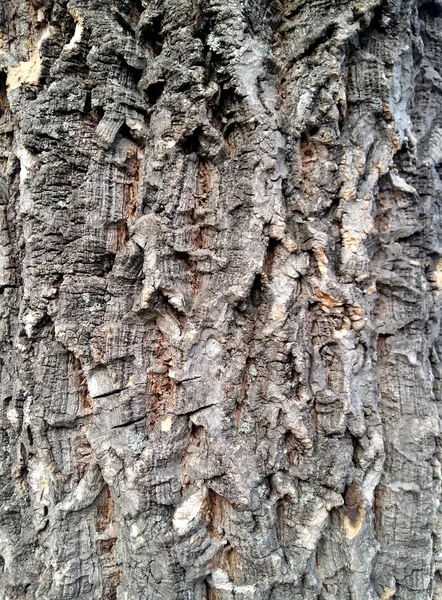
[220, 272]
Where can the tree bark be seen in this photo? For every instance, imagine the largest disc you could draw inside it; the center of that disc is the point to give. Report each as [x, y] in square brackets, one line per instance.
[220, 279]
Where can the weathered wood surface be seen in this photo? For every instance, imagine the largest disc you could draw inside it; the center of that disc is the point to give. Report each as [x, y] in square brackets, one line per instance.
[221, 275]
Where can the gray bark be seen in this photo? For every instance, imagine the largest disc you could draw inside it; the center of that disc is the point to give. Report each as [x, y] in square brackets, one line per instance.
[221, 283]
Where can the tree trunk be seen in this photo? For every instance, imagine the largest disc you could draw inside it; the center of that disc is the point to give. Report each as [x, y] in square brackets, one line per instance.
[221, 284]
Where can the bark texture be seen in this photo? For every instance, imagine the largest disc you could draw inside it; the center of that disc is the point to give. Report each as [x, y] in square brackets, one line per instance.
[221, 277]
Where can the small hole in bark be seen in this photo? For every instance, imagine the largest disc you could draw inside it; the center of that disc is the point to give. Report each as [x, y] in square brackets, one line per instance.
[382, 345]
[228, 99]
[184, 86]
[182, 255]
[256, 291]
[108, 262]
[24, 459]
[158, 300]
[45, 326]
[151, 34]
[431, 9]
[191, 142]
[204, 25]
[88, 102]
[24, 472]
[195, 432]
[133, 75]
[154, 91]
[228, 130]
[97, 114]
[311, 132]
[67, 24]
[127, 133]
[270, 256]
[30, 436]
[137, 9]
[3, 97]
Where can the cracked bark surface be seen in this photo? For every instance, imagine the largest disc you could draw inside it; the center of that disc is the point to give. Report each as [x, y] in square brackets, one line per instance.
[220, 291]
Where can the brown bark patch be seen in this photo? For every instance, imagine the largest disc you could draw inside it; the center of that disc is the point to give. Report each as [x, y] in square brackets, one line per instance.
[215, 510]
[205, 178]
[232, 562]
[107, 546]
[353, 511]
[105, 509]
[4, 104]
[130, 195]
[244, 388]
[77, 381]
[130, 188]
[122, 235]
[162, 392]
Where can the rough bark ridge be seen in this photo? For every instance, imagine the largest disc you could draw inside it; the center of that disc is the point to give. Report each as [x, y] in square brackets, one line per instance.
[221, 275]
